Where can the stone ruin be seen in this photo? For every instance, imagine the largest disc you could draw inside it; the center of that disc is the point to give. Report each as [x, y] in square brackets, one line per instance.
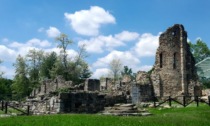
[173, 74]
[174, 71]
[60, 96]
[92, 85]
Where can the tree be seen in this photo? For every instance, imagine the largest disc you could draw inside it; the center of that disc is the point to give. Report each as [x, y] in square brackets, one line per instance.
[85, 72]
[199, 50]
[128, 71]
[5, 89]
[64, 42]
[115, 68]
[34, 58]
[47, 65]
[79, 59]
[57, 69]
[21, 85]
[79, 68]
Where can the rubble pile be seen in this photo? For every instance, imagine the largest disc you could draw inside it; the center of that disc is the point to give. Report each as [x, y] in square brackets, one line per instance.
[124, 110]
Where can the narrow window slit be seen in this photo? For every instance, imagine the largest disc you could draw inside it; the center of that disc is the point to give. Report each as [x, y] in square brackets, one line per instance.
[161, 60]
[174, 61]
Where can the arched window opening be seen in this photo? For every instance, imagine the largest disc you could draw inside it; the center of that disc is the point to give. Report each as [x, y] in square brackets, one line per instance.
[161, 60]
[174, 61]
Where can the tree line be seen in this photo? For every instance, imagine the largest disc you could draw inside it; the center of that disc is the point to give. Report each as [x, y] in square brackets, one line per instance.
[37, 65]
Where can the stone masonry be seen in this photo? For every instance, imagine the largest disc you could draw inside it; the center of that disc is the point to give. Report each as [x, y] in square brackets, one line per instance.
[174, 70]
[60, 96]
[92, 85]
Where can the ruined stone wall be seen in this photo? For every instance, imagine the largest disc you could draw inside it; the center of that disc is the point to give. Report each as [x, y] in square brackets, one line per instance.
[82, 102]
[107, 84]
[144, 85]
[82, 98]
[92, 85]
[50, 85]
[174, 72]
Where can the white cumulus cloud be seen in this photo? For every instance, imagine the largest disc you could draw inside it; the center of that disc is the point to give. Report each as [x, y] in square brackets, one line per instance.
[38, 43]
[100, 72]
[34, 42]
[101, 66]
[88, 22]
[7, 54]
[8, 71]
[17, 48]
[147, 45]
[71, 53]
[53, 32]
[127, 59]
[100, 43]
[127, 36]
[145, 68]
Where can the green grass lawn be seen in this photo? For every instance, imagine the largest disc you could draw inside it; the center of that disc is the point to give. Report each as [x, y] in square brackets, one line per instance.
[189, 116]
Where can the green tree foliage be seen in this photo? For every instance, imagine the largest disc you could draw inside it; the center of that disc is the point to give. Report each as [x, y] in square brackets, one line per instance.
[199, 50]
[64, 41]
[57, 69]
[79, 69]
[205, 82]
[21, 84]
[38, 65]
[76, 68]
[5, 89]
[128, 71]
[47, 65]
[85, 72]
[34, 58]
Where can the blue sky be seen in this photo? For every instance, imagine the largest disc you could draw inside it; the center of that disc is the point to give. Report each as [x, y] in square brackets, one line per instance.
[123, 29]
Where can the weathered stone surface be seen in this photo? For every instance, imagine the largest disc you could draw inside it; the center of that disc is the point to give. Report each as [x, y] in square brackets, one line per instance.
[126, 79]
[174, 70]
[92, 85]
[124, 110]
[88, 102]
[204, 98]
[173, 73]
[142, 78]
[50, 85]
[145, 90]
[206, 92]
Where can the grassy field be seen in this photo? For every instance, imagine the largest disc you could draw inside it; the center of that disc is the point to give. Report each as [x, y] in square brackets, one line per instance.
[189, 116]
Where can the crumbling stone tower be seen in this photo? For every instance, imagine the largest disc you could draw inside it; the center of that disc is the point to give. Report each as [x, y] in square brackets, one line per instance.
[174, 70]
